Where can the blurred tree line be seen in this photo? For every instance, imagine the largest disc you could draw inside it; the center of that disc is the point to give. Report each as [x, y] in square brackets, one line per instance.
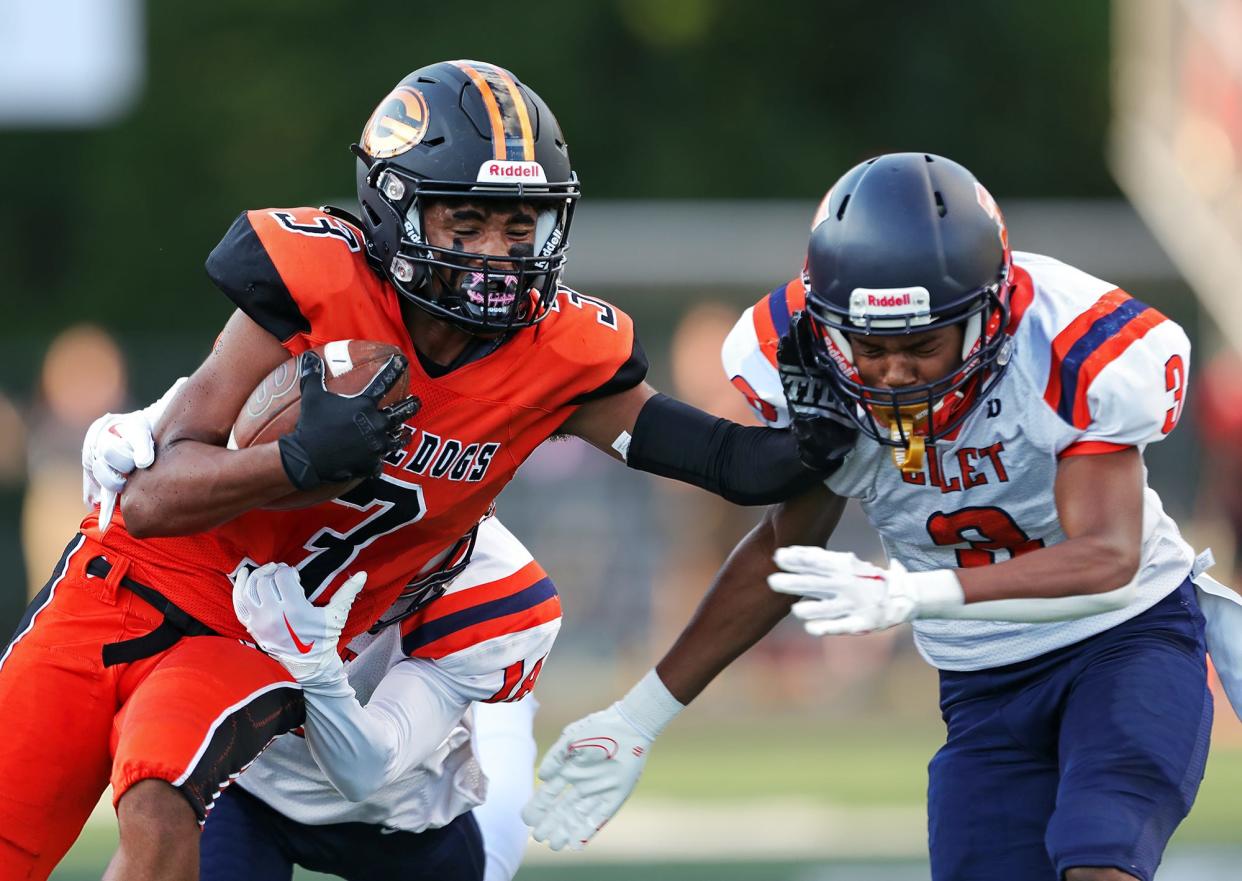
[252, 105]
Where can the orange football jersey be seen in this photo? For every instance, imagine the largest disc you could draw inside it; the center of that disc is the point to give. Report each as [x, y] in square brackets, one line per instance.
[302, 274]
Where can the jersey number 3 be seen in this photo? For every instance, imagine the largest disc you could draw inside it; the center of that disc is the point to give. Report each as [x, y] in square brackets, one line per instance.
[986, 530]
[389, 504]
[1175, 382]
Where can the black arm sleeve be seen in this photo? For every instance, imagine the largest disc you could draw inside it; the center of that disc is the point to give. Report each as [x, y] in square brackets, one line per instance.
[746, 465]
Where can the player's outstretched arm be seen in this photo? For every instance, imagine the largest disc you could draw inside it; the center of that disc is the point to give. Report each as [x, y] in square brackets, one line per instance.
[747, 465]
[738, 610]
[1100, 505]
[595, 765]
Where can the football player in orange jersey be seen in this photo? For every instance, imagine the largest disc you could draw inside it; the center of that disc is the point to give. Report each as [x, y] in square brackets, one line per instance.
[392, 788]
[131, 667]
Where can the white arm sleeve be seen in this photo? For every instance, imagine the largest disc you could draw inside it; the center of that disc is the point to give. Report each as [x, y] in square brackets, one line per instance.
[1035, 610]
[360, 749]
[415, 706]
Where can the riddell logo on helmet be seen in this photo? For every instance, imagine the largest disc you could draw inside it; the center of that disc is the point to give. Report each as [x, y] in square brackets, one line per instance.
[885, 307]
[511, 171]
[889, 300]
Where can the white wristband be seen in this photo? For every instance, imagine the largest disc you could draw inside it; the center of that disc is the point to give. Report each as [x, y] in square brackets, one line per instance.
[649, 706]
[937, 592]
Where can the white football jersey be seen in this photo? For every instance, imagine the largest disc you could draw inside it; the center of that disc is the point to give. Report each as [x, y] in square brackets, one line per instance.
[483, 640]
[1091, 370]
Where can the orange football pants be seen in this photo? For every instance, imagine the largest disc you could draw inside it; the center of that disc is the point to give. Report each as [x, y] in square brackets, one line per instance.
[193, 715]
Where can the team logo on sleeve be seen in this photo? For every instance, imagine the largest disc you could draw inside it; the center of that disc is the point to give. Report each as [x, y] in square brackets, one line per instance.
[398, 123]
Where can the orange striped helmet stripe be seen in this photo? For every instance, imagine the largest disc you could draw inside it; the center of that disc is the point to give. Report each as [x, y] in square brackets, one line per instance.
[507, 113]
[493, 109]
[528, 139]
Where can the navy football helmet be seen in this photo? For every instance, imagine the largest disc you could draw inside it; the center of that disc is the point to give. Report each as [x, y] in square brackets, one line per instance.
[465, 130]
[905, 243]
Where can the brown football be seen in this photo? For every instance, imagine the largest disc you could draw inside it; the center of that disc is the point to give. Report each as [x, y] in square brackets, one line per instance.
[273, 407]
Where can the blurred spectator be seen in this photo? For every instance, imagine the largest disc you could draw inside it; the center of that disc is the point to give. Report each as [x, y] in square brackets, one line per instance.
[12, 478]
[83, 376]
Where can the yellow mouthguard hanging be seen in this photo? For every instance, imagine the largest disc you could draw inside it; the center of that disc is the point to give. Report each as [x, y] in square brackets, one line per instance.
[905, 428]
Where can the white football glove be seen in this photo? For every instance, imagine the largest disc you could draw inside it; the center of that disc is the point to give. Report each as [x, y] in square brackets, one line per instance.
[272, 605]
[115, 445]
[844, 594]
[592, 769]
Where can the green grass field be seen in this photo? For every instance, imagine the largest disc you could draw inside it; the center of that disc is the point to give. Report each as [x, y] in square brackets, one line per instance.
[695, 769]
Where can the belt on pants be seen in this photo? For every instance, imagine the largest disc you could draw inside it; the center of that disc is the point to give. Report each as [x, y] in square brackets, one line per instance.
[176, 624]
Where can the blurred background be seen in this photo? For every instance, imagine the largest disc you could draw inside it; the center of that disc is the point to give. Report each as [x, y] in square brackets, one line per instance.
[704, 134]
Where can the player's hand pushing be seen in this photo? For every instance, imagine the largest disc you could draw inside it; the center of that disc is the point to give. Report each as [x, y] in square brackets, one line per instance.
[819, 421]
[339, 437]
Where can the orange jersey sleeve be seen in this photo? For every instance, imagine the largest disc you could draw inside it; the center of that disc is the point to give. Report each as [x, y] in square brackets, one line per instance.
[589, 349]
[302, 275]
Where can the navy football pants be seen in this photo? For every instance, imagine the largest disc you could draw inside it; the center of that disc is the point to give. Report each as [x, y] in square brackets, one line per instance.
[245, 840]
[1089, 755]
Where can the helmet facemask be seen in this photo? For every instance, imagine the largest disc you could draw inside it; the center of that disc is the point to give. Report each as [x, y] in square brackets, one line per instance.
[483, 294]
[907, 243]
[913, 417]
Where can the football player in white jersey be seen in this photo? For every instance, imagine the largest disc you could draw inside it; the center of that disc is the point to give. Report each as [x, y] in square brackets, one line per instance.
[1002, 403]
[387, 779]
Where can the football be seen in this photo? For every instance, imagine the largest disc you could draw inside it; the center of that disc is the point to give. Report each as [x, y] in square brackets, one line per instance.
[273, 407]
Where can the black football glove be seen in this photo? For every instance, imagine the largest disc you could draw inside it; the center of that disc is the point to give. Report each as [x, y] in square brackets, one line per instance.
[341, 438]
[823, 428]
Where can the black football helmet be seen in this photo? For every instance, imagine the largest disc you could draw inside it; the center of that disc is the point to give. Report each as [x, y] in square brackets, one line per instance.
[465, 130]
[905, 243]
